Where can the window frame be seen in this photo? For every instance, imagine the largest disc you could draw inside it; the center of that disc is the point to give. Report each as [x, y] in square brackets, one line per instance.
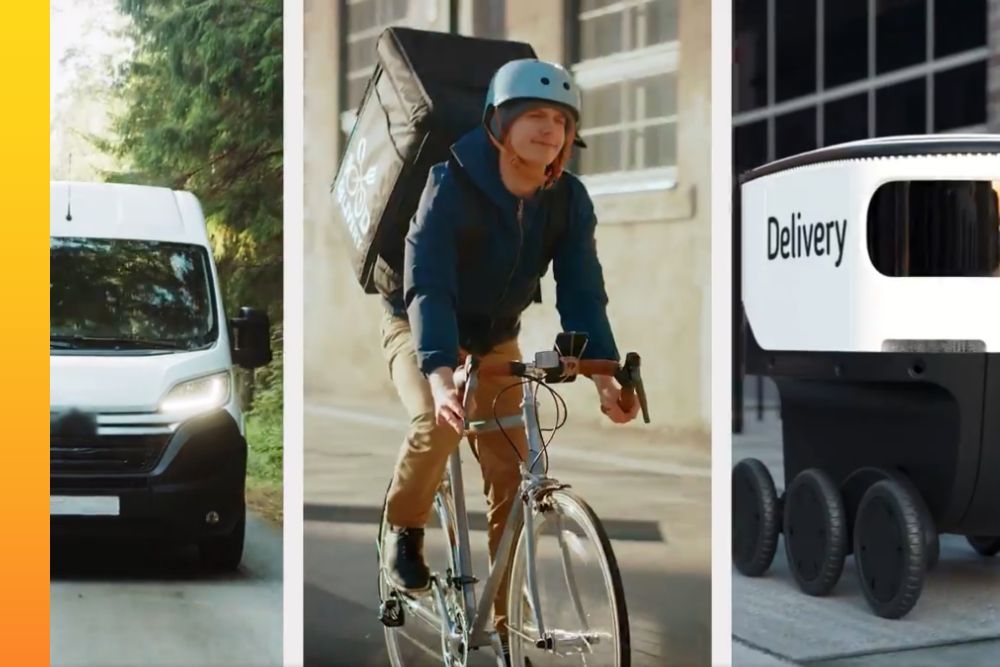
[590, 73]
[926, 70]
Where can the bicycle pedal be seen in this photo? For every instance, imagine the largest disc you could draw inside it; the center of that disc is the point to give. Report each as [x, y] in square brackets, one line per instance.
[391, 614]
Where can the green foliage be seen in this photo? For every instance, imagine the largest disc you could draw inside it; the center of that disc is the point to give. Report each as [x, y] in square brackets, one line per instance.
[203, 112]
[264, 422]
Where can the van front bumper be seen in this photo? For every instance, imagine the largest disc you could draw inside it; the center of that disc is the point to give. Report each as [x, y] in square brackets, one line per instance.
[193, 486]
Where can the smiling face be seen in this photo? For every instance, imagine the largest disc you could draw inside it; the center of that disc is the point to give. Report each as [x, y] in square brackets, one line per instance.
[538, 135]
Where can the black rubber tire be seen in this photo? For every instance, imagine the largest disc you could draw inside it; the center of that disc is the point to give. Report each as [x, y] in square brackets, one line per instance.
[613, 583]
[932, 541]
[889, 549]
[815, 529]
[984, 545]
[756, 518]
[224, 553]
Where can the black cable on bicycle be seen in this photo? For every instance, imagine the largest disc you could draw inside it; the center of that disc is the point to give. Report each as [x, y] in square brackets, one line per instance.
[562, 415]
[496, 418]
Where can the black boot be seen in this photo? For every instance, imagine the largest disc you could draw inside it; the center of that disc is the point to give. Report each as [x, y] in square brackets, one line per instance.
[404, 552]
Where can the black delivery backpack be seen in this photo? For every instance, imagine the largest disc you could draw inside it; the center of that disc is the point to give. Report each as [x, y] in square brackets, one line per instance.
[428, 89]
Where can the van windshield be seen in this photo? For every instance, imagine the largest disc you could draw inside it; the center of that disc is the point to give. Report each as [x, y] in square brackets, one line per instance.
[119, 294]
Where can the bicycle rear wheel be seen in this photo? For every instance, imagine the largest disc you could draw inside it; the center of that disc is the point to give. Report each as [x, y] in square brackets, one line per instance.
[418, 642]
[581, 600]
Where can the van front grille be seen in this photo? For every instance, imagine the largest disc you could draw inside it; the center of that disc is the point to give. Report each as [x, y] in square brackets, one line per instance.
[106, 454]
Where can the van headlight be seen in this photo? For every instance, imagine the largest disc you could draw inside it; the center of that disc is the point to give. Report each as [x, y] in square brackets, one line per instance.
[198, 395]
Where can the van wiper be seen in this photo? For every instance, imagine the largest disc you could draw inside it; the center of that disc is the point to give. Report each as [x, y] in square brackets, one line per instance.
[77, 341]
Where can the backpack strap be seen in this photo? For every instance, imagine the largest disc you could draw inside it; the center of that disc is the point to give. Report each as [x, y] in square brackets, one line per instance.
[470, 239]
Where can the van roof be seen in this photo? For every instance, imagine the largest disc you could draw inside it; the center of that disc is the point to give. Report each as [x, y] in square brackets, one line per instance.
[898, 146]
[112, 210]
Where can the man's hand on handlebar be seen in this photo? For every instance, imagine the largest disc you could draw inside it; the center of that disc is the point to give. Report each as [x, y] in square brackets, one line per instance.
[447, 399]
[610, 394]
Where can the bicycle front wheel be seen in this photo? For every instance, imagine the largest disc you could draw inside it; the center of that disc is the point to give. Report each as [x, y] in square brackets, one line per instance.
[572, 611]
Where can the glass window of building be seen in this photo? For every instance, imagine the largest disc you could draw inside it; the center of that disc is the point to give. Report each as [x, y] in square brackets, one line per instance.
[626, 65]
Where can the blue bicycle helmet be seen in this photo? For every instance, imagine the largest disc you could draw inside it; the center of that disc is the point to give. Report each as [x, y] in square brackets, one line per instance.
[531, 79]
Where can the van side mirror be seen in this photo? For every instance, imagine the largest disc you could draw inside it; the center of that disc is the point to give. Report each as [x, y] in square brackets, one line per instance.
[250, 338]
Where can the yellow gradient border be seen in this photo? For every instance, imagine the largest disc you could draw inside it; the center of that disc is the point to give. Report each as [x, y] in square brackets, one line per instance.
[24, 157]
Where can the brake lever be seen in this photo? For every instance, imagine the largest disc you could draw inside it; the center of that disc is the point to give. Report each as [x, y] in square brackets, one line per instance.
[630, 375]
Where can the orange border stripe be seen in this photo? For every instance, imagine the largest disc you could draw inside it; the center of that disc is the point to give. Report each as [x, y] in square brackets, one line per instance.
[24, 547]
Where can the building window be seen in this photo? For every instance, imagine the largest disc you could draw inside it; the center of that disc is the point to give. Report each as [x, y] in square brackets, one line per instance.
[830, 71]
[750, 55]
[626, 66]
[364, 21]
[900, 34]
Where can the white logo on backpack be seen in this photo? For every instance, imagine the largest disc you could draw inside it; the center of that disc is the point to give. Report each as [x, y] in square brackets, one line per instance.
[352, 194]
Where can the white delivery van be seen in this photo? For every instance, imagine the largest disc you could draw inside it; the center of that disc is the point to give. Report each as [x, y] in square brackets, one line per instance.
[146, 434]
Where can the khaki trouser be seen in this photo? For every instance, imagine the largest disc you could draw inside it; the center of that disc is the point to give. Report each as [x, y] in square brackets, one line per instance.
[425, 451]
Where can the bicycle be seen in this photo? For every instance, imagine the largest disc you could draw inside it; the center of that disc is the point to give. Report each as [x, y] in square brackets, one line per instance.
[451, 609]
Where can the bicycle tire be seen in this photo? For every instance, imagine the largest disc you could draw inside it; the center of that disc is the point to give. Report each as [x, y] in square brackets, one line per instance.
[393, 635]
[592, 527]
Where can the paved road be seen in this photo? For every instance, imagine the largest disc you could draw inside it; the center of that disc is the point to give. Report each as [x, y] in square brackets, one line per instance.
[126, 604]
[956, 621]
[651, 492]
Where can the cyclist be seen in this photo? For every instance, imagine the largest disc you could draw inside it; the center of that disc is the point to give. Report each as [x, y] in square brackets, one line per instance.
[459, 300]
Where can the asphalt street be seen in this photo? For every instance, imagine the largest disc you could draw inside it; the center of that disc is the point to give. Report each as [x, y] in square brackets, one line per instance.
[123, 604]
[652, 493]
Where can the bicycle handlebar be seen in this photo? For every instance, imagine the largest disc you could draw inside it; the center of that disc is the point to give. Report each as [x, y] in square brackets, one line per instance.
[568, 366]
[627, 374]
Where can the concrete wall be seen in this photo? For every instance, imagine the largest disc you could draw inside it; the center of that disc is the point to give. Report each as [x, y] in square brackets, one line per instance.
[341, 353]
[655, 247]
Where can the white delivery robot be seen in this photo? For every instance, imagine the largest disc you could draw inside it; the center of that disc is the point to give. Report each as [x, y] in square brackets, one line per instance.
[871, 292]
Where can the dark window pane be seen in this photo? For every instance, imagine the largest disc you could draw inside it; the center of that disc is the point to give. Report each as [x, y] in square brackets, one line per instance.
[845, 119]
[795, 49]
[601, 36]
[654, 146]
[603, 154]
[355, 90]
[959, 26]
[654, 96]
[750, 146]
[845, 42]
[935, 228]
[362, 53]
[392, 11]
[661, 21]
[900, 34]
[901, 109]
[795, 132]
[603, 106]
[960, 97]
[360, 15]
[588, 5]
[750, 57]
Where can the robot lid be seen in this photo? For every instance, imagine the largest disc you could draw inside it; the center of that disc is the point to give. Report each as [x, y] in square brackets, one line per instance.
[883, 147]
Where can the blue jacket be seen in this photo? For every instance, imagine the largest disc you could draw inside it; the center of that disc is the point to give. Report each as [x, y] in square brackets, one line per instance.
[454, 301]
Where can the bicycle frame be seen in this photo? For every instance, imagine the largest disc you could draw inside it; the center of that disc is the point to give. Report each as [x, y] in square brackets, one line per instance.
[534, 486]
